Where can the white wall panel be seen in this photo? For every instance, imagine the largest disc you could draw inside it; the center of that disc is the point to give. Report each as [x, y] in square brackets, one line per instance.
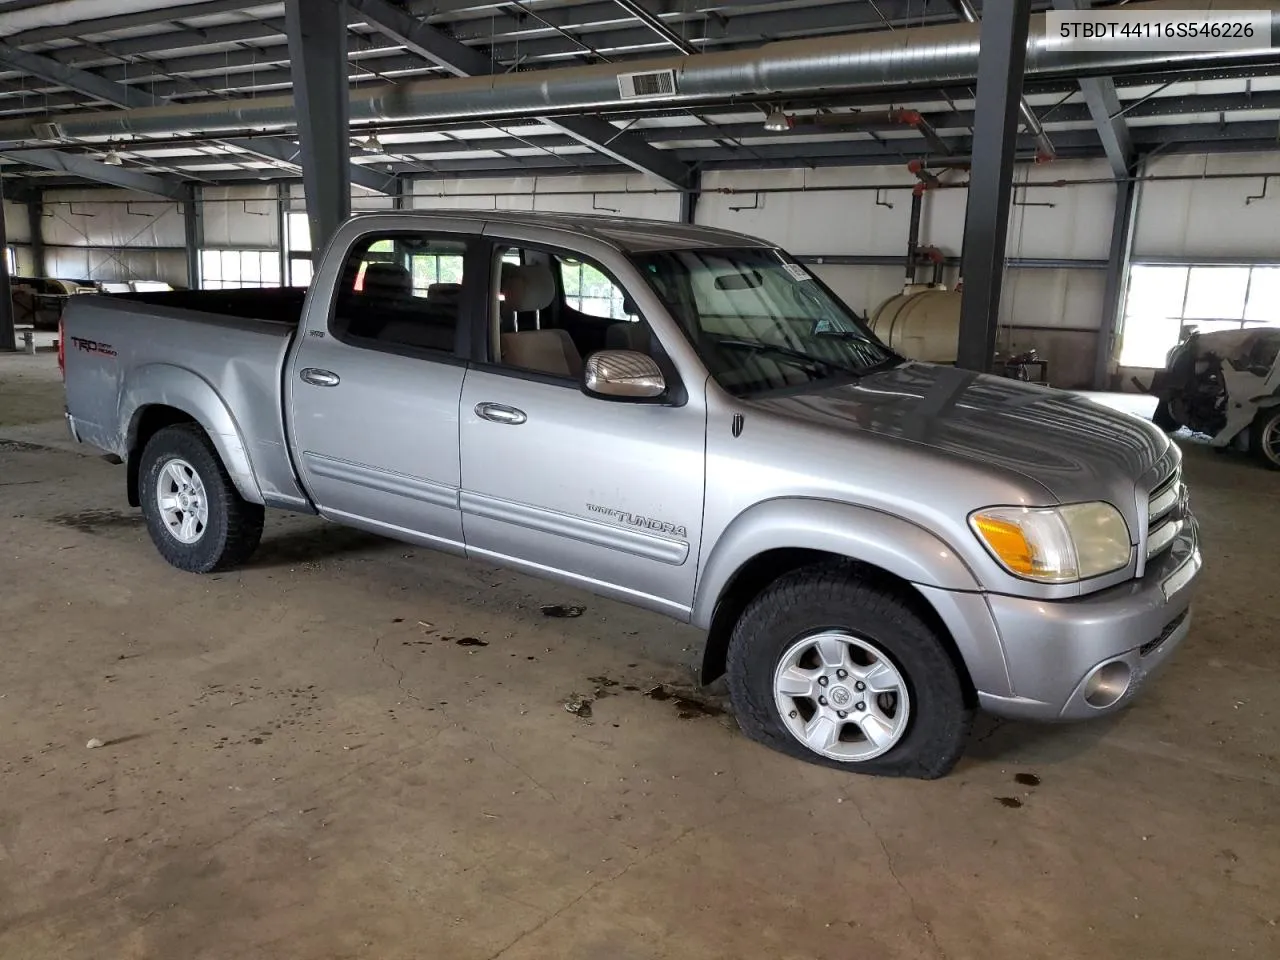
[241, 216]
[821, 222]
[111, 218]
[16, 227]
[608, 195]
[1209, 218]
[1053, 298]
[26, 263]
[1078, 224]
[85, 263]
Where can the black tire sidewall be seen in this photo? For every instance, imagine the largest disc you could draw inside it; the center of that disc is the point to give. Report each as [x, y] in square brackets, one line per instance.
[798, 605]
[1265, 419]
[186, 443]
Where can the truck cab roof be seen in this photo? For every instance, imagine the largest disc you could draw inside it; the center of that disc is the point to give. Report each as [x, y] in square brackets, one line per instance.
[628, 234]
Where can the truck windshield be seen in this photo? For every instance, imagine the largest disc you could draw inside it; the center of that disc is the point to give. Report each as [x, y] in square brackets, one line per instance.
[760, 321]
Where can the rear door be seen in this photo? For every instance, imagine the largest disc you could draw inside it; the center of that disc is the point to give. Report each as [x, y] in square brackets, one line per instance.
[604, 494]
[374, 386]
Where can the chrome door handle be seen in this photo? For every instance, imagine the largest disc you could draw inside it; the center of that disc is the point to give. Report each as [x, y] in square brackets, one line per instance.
[500, 413]
[320, 378]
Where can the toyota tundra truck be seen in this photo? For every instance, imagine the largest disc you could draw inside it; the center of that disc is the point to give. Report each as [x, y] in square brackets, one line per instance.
[680, 418]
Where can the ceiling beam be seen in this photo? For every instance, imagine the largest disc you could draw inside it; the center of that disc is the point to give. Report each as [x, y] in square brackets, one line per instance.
[441, 49]
[89, 169]
[275, 149]
[1104, 108]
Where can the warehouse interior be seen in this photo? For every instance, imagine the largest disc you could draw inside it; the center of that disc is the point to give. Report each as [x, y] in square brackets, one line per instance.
[354, 747]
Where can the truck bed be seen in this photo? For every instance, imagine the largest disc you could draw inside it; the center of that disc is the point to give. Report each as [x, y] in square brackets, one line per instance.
[282, 304]
[216, 351]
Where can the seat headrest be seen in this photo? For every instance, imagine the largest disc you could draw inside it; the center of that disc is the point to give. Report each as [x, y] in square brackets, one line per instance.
[387, 280]
[527, 288]
[449, 292]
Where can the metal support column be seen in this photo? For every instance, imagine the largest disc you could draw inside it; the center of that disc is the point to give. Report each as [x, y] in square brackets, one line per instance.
[35, 227]
[282, 231]
[404, 193]
[1001, 61]
[1128, 192]
[8, 336]
[317, 32]
[193, 233]
[689, 199]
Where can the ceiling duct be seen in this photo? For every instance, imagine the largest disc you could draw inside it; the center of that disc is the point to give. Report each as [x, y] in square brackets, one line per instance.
[923, 56]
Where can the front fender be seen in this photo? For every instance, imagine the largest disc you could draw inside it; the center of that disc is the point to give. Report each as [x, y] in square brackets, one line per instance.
[892, 544]
[182, 389]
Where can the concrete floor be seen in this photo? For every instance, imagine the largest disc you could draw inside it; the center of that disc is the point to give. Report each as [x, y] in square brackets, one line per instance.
[301, 761]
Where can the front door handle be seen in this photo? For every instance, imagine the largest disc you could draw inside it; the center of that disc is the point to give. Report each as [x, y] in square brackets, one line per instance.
[500, 413]
[320, 378]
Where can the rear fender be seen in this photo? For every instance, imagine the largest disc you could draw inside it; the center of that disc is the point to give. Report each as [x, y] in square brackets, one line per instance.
[170, 386]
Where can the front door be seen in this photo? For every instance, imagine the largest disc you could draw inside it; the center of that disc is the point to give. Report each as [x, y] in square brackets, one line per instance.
[374, 398]
[603, 494]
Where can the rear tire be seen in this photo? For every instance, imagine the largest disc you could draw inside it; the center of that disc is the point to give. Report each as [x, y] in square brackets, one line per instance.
[196, 517]
[1264, 437]
[826, 627]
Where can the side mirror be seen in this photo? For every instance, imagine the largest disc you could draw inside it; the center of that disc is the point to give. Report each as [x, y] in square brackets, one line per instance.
[622, 375]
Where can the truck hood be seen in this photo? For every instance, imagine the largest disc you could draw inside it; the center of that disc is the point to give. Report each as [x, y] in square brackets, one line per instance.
[1075, 448]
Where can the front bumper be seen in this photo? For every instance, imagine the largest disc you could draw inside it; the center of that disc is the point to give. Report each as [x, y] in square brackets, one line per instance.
[1076, 659]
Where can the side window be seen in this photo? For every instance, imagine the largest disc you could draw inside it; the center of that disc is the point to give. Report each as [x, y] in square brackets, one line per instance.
[553, 310]
[402, 290]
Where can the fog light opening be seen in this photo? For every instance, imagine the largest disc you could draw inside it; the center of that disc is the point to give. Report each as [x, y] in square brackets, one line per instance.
[1107, 684]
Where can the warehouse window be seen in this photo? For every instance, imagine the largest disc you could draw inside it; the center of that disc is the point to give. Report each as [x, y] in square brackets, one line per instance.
[232, 269]
[1165, 301]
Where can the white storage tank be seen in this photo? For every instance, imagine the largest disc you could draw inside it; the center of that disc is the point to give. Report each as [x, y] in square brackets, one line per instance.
[921, 323]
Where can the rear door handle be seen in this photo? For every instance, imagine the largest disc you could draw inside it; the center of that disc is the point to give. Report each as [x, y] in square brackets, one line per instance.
[500, 413]
[320, 378]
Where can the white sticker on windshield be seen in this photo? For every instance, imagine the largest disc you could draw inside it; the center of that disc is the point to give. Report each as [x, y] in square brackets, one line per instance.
[797, 272]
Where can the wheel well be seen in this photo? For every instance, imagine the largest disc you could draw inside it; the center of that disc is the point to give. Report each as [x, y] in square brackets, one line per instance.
[760, 571]
[151, 420]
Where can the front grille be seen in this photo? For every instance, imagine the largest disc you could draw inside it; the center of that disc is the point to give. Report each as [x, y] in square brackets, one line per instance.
[1151, 646]
[1163, 522]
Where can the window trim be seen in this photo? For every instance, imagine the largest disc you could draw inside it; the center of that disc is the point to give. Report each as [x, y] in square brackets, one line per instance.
[471, 272]
[675, 396]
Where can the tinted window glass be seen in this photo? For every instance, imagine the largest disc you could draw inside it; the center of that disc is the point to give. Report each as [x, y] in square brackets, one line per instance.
[403, 290]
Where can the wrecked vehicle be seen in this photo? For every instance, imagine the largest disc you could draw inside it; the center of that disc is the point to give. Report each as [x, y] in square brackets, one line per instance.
[1225, 385]
[680, 418]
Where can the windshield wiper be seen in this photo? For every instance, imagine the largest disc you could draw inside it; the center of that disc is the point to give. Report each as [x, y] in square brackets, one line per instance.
[798, 356]
[887, 357]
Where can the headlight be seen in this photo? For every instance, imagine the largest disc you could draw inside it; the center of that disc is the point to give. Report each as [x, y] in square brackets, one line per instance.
[1055, 544]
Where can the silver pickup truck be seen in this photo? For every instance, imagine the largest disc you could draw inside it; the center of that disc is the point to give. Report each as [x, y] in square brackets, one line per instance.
[684, 419]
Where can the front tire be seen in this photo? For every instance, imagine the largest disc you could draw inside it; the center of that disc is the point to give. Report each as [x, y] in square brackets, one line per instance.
[196, 517]
[1264, 437]
[830, 669]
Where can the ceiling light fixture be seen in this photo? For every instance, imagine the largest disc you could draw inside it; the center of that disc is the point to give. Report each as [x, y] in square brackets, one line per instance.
[373, 144]
[112, 158]
[778, 121]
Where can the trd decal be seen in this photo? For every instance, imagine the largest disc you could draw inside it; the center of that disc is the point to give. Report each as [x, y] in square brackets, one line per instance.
[93, 346]
[644, 523]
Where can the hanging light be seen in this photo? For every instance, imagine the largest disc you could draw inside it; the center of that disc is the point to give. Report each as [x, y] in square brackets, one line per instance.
[112, 158]
[778, 121]
[373, 144]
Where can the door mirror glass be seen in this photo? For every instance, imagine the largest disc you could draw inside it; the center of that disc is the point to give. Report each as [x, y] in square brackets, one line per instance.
[622, 375]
